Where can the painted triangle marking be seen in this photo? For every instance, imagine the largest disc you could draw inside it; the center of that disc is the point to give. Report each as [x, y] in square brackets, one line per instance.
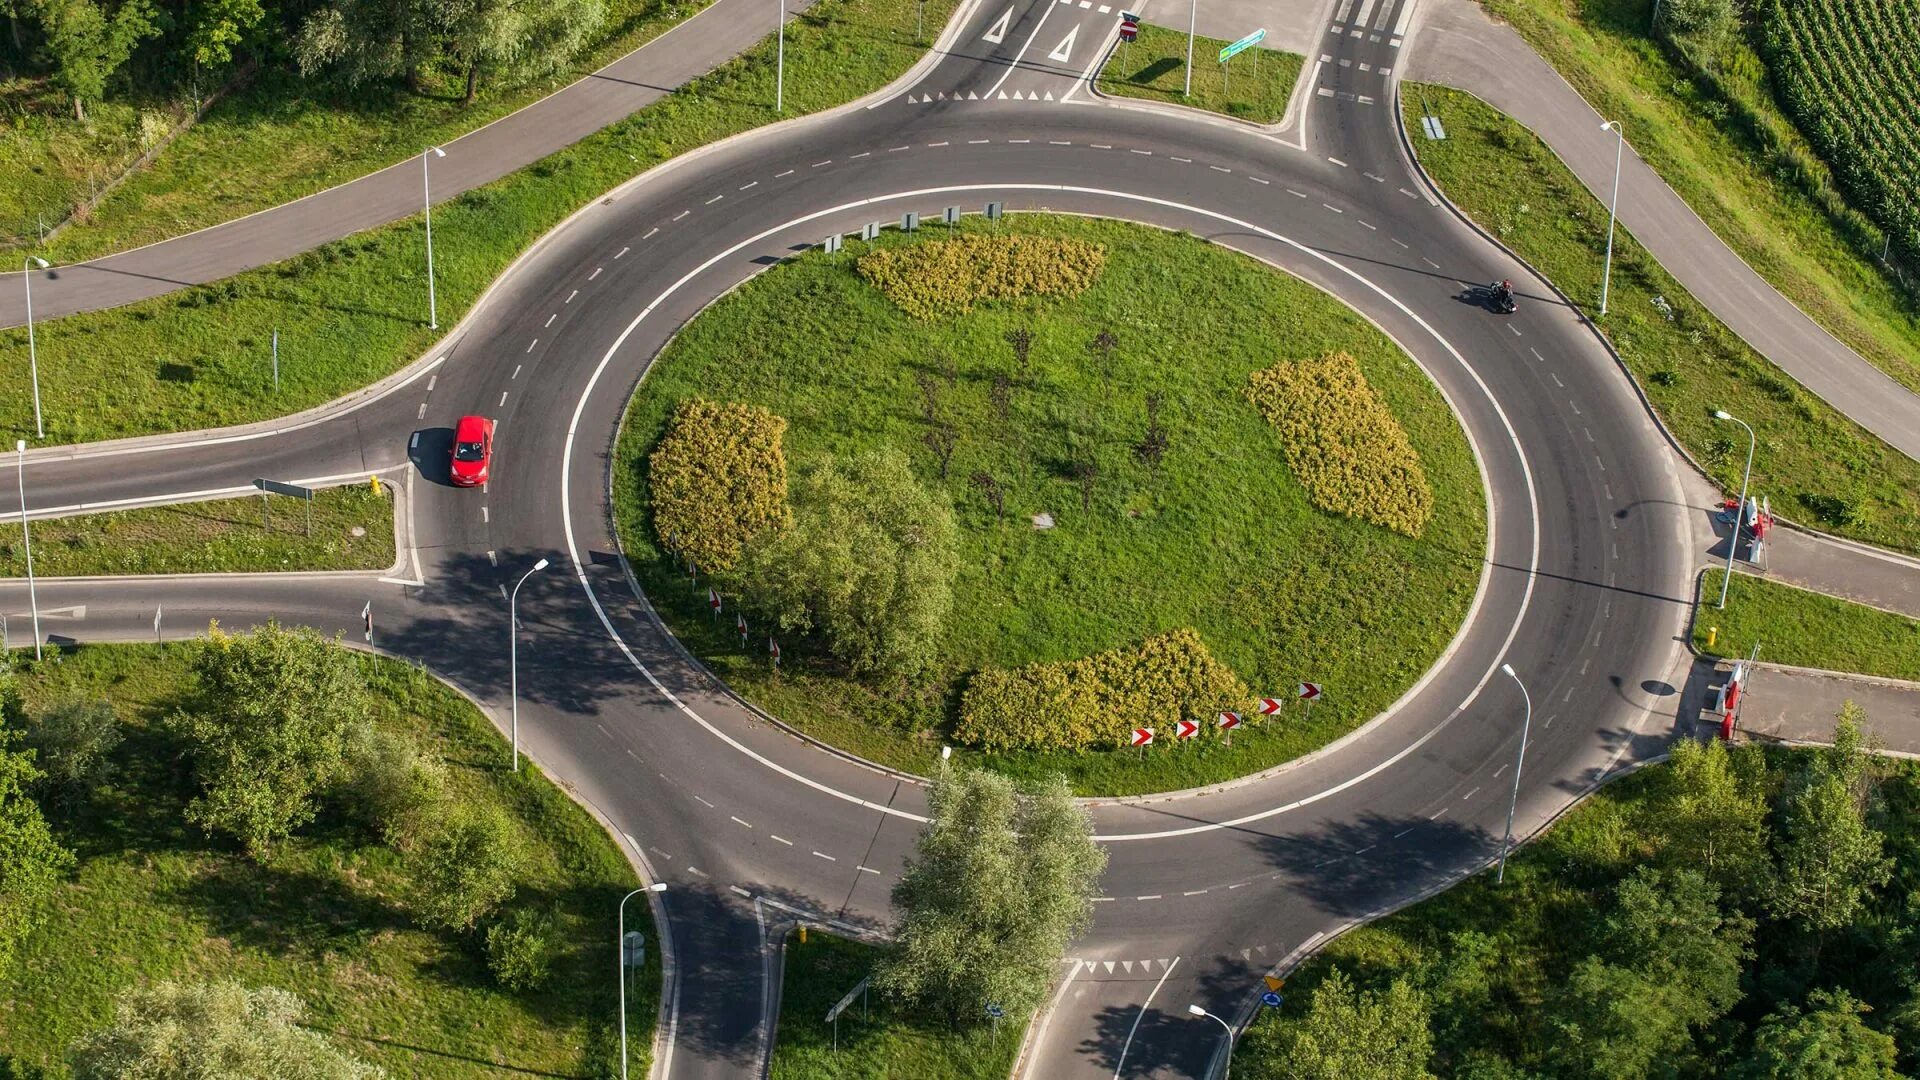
[943, 95]
[911, 101]
[1127, 966]
[1003, 95]
[1017, 97]
[1049, 95]
[1109, 964]
[1065, 47]
[998, 32]
[971, 96]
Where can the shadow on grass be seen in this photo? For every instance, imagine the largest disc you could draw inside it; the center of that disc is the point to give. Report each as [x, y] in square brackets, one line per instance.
[449, 1055]
[288, 911]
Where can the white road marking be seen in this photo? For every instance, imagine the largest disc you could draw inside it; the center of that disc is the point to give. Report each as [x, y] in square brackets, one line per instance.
[1406, 16]
[516, 371]
[977, 142]
[709, 202]
[503, 400]
[621, 252]
[1184, 160]
[1257, 180]
[493, 559]
[1024, 46]
[1556, 380]
[1498, 771]
[1515, 329]
[1102, 146]
[1147, 153]
[1220, 168]
[422, 414]
[737, 821]
[570, 296]
[778, 175]
[531, 344]
[548, 323]
[1435, 816]
[1469, 794]
[897, 149]
[1300, 194]
[1062, 51]
[941, 143]
[867, 870]
[1194, 892]
[704, 802]
[741, 891]
[697, 872]
[1335, 209]
[1120, 1065]
[1338, 162]
[1536, 354]
[817, 164]
[826, 856]
[1366, 8]
[1058, 142]
[650, 232]
[861, 154]
[1399, 241]
[1429, 262]
[1150, 896]
[1408, 194]
[684, 213]
[486, 515]
[998, 31]
[1373, 227]
[782, 839]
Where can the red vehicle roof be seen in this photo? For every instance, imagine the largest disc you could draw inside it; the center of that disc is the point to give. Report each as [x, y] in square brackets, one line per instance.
[469, 429]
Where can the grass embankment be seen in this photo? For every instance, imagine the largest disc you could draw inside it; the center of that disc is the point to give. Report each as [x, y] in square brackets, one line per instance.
[1726, 148]
[1822, 468]
[1155, 67]
[1222, 539]
[221, 536]
[153, 898]
[1494, 960]
[274, 139]
[199, 358]
[884, 1042]
[1805, 629]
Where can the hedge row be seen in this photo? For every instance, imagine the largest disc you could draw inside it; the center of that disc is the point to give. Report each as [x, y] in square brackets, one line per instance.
[1097, 701]
[1343, 443]
[946, 277]
[717, 478]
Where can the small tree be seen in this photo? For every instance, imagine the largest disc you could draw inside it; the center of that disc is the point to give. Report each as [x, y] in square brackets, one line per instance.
[1152, 446]
[520, 949]
[1830, 859]
[1001, 395]
[1021, 340]
[266, 729]
[1000, 882]
[388, 783]
[211, 1031]
[1713, 818]
[1828, 1041]
[990, 487]
[71, 742]
[1357, 1035]
[87, 44]
[1085, 473]
[31, 861]
[466, 866]
[929, 397]
[942, 439]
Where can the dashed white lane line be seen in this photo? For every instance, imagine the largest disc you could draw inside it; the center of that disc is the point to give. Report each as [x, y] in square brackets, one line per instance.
[493, 558]
[1105, 899]
[1498, 771]
[1338, 162]
[1399, 241]
[715, 199]
[1556, 380]
[1435, 816]
[516, 371]
[1220, 168]
[826, 856]
[703, 802]
[978, 142]
[1019, 141]
[486, 515]
[697, 872]
[422, 414]
[1182, 160]
[660, 853]
[570, 296]
[1429, 262]
[868, 870]
[782, 839]
[817, 164]
[1408, 194]
[1402, 832]
[1059, 142]
[1536, 354]
[532, 343]
[737, 821]
[1257, 180]
[431, 379]
[680, 215]
[1333, 208]
[1375, 228]
[1375, 179]
[1144, 153]
[1240, 885]
[621, 252]
[744, 187]
[1366, 849]
[1297, 194]
[1469, 794]
[649, 233]
[740, 891]
[503, 400]
[1102, 146]
[778, 175]
[861, 154]
[548, 323]
[1149, 896]
[897, 149]
[1194, 892]
[942, 142]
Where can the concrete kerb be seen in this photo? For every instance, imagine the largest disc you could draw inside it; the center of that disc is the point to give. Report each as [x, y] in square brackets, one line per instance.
[1699, 585]
[442, 349]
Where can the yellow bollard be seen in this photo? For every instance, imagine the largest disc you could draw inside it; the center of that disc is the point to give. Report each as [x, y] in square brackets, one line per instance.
[803, 933]
[1713, 632]
[375, 481]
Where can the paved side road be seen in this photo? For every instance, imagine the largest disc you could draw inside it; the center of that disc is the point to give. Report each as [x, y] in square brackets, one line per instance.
[698, 45]
[1850, 571]
[1789, 705]
[1460, 46]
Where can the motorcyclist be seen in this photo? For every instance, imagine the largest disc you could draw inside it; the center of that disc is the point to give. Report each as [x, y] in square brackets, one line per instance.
[1504, 291]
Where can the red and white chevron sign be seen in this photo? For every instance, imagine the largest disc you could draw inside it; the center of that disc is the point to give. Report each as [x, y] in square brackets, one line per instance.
[1229, 720]
[1142, 736]
[1309, 690]
[1269, 706]
[1186, 729]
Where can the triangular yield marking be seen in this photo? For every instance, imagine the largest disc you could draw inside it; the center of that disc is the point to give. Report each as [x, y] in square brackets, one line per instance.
[1109, 964]
[971, 96]
[1017, 96]
[1049, 95]
[1003, 95]
[1065, 47]
[998, 32]
[910, 100]
[1127, 966]
[943, 95]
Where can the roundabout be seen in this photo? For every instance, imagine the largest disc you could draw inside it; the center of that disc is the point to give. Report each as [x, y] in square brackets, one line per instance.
[1583, 587]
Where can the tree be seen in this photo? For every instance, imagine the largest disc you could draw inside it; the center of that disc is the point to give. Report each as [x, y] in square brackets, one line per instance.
[71, 742]
[1713, 818]
[211, 1031]
[1021, 339]
[520, 948]
[31, 861]
[1357, 1035]
[1001, 396]
[518, 39]
[942, 439]
[387, 783]
[1153, 445]
[1001, 880]
[1827, 1042]
[214, 27]
[362, 41]
[86, 43]
[1829, 857]
[1611, 1022]
[868, 563]
[466, 866]
[266, 729]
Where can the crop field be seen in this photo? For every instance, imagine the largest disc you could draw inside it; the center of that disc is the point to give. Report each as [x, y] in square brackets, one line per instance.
[1848, 71]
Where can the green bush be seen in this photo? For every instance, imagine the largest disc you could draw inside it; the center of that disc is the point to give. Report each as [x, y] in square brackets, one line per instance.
[946, 277]
[520, 949]
[466, 866]
[1096, 702]
[717, 479]
[1343, 443]
[212, 1031]
[71, 742]
[388, 782]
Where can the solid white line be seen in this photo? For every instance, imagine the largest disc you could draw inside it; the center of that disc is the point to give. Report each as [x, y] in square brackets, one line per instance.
[1028, 44]
[1119, 1065]
[1039, 1036]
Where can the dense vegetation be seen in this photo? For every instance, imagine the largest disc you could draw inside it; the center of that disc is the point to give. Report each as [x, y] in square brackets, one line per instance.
[946, 277]
[252, 817]
[717, 480]
[1108, 483]
[1730, 913]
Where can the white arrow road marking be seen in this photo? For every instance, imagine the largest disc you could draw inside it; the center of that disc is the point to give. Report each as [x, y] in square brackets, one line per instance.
[77, 611]
[1065, 47]
[998, 33]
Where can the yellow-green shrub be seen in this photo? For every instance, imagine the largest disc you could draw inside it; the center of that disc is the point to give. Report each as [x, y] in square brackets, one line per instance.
[1343, 443]
[717, 478]
[1096, 702]
[945, 277]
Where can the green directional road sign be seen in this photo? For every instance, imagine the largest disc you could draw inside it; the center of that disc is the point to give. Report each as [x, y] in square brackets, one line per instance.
[1242, 45]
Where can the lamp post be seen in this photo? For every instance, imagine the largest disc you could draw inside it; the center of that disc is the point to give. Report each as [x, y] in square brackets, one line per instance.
[780, 61]
[33, 357]
[20, 470]
[1619, 148]
[1740, 509]
[426, 197]
[620, 943]
[1224, 1026]
[513, 653]
[1193, 15]
[1526, 725]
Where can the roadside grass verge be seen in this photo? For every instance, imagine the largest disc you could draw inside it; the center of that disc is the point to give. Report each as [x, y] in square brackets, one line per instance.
[1737, 161]
[274, 140]
[1220, 537]
[353, 311]
[881, 1040]
[154, 898]
[1822, 468]
[1804, 629]
[227, 536]
[1154, 67]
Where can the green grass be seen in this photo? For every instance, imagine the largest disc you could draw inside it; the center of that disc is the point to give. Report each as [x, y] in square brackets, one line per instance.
[1726, 148]
[882, 1041]
[1821, 468]
[1223, 540]
[153, 898]
[1805, 629]
[353, 311]
[1155, 67]
[273, 140]
[1550, 913]
[220, 536]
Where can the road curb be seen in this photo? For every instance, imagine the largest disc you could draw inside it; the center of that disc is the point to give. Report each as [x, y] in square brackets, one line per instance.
[1699, 602]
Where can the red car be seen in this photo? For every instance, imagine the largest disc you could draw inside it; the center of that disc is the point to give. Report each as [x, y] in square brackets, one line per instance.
[472, 451]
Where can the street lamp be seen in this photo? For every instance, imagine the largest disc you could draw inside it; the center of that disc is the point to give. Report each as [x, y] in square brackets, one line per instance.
[621, 943]
[33, 358]
[1525, 726]
[780, 62]
[1619, 148]
[20, 459]
[1740, 510]
[426, 197]
[1198, 1011]
[513, 652]
[1193, 14]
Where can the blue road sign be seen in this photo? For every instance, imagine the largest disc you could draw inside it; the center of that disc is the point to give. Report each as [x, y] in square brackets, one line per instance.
[993, 1010]
[1271, 1000]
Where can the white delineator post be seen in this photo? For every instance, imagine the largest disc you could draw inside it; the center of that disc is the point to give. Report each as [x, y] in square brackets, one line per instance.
[426, 193]
[780, 62]
[1619, 148]
[1193, 17]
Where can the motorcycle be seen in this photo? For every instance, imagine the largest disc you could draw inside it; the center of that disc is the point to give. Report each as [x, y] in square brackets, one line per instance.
[1499, 296]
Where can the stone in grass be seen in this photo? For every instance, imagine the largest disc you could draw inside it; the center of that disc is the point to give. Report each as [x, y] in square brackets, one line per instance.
[1043, 521]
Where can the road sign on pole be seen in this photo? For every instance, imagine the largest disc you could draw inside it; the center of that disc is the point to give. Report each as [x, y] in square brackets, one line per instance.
[1229, 720]
[1142, 736]
[831, 244]
[1308, 691]
[1185, 729]
[1242, 45]
[1271, 1000]
[1269, 706]
[366, 613]
[994, 210]
[156, 621]
[1273, 983]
